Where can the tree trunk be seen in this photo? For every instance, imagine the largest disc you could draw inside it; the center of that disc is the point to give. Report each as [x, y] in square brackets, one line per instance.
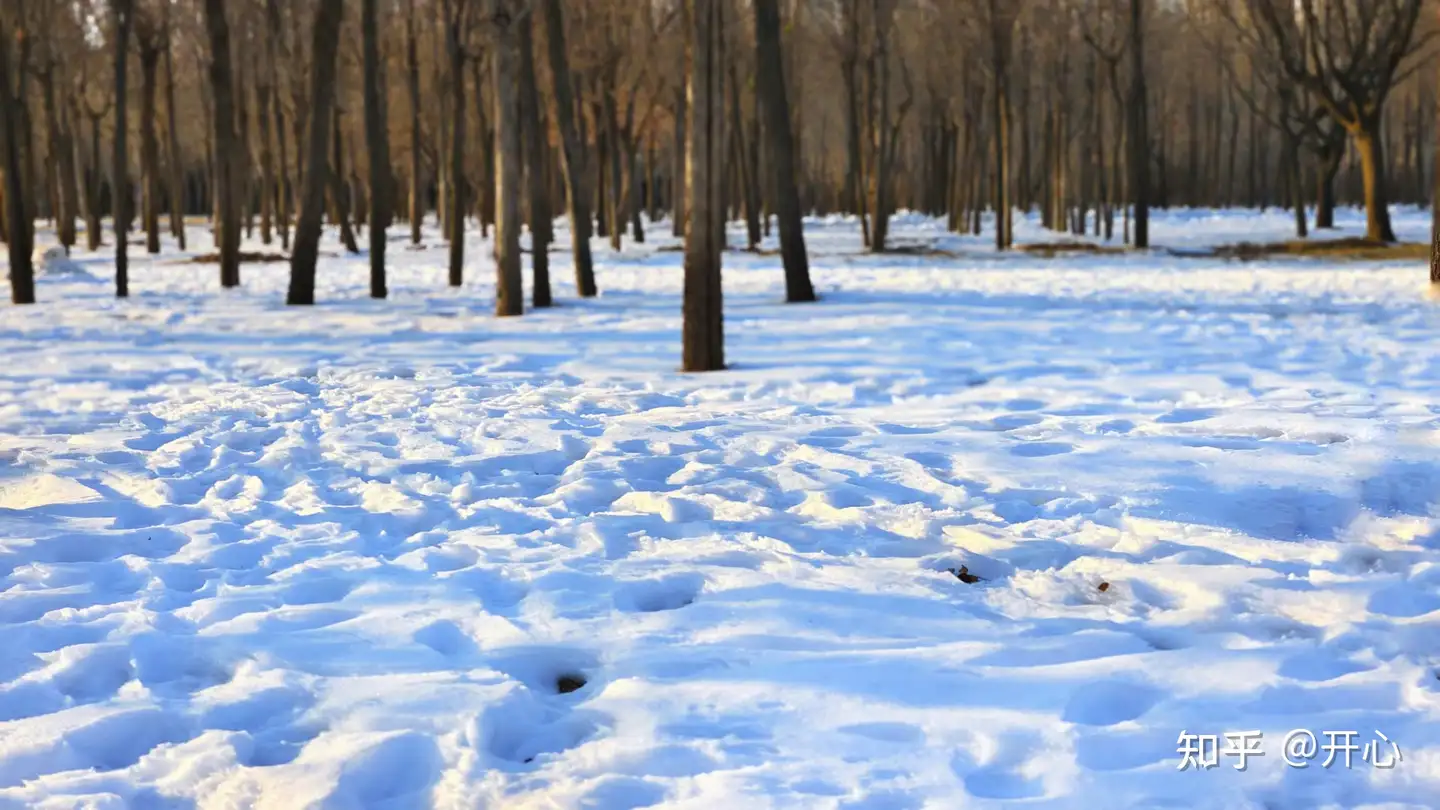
[677, 185]
[1297, 185]
[377, 138]
[572, 151]
[455, 218]
[150, 144]
[1000, 38]
[17, 210]
[177, 171]
[505, 69]
[775, 109]
[339, 198]
[275, 113]
[1139, 135]
[120, 164]
[703, 344]
[227, 144]
[412, 83]
[94, 234]
[1372, 166]
[324, 48]
[535, 148]
[63, 152]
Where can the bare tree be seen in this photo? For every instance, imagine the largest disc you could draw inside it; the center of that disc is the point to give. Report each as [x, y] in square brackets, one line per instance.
[505, 18]
[703, 334]
[227, 143]
[456, 14]
[17, 210]
[537, 152]
[324, 50]
[1139, 132]
[378, 140]
[124, 11]
[572, 150]
[150, 40]
[1350, 58]
[776, 110]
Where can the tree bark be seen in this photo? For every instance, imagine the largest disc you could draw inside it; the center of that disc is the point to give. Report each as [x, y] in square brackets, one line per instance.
[17, 211]
[572, 151]
[177, 171]
[455, 219]
[120, 168]
[377, 138]
[536, 151]
[1139, 135]
[150, 143]
[324, 48]
[1372, 167]
[703, 333]
[1000, 38]
[339, 195]
[412, 82]
[775, 108]
[227, 144]
[677, 185]
[509, 291]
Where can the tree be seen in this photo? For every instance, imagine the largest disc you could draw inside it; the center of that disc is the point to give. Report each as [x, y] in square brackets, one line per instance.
[1002, 26]
[776, 112]
[227, 144]
[378, 140]
[572, 150]
[1139, 133]
[17, 211]
[505, 18]
[151, 42]
[703, 334]
[457, 14]
[1350, 59]
[537, 152]
[324, 50]
[124, 11]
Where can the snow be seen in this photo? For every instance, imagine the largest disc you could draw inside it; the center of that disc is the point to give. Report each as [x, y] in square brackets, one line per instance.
[344, 557]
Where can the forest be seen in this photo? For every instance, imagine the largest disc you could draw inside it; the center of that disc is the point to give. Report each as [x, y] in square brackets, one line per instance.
[279, 118]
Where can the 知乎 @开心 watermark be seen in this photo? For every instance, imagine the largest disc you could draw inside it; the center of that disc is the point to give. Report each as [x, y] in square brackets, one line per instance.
[1300, 749]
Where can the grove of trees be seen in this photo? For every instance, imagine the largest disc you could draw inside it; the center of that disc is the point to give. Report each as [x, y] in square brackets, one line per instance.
[275, 119]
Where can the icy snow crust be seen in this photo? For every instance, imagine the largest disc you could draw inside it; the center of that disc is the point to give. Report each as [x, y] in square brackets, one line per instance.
[253, 556]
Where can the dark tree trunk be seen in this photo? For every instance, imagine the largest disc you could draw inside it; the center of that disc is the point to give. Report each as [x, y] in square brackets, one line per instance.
[455, 217]
[177, 171]
[17, 210]
[227, 144]
[150, 143]
[377, 138]
[536, 152]
[703, 344]
[412, 82]
[572, 150]
[1139, 135]
[324, 48]
[677, 163]
[775, 108]
[504, 51]
[339, 196]
[120, 168]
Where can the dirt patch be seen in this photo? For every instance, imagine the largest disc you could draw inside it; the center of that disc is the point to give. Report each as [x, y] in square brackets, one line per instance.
[245, 258]
[1354, 249]
[1052, 249]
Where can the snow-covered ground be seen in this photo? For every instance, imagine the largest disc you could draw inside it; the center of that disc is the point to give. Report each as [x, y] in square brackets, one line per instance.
[342, 557]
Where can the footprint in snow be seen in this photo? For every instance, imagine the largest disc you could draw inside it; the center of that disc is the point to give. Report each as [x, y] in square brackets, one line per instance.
[655, 595]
